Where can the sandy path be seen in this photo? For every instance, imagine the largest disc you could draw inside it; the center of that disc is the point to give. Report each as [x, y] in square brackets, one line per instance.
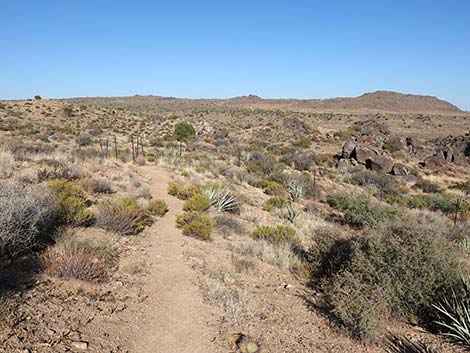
[175, 318]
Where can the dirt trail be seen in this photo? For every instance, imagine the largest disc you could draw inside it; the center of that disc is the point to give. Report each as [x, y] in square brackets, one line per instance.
[175, 318]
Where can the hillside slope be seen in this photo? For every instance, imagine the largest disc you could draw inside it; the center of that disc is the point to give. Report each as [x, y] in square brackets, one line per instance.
[380, 101]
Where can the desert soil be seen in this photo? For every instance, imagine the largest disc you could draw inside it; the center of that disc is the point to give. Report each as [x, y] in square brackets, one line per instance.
[175, 317]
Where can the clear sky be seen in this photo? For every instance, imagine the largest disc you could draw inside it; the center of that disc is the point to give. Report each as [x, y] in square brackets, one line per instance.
[221, 48]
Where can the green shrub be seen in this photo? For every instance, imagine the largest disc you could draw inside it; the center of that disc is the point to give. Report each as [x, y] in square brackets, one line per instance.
[188, 217]
[279, 235]
[359, 210]
[184, 131]
[122, 216]
[195, 224]
[182, 191]
[275, 202]
[434, 202]
[428, 186]
[198, 203]
[71, 203]
[271, 187]
[198, 229]
[398, 268]
[157, 207]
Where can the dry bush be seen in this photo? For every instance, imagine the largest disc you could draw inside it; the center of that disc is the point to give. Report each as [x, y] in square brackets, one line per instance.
[7, 163]
[228, 224]
[122, 216]
[25, 212]
[97, 186]
[69, 259]
[84, 139]
[283, 257]
[58, 166]
[234, 301]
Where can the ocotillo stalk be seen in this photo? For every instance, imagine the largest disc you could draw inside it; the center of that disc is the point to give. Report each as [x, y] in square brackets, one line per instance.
[116, 147]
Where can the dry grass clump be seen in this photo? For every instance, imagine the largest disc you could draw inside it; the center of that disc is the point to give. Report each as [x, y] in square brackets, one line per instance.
[97, 185]
[283, 257]
[58, 165]
[122, 216]
[234, 301]
[25, 213]
[71, 259]
[228, 224]
[7, 163]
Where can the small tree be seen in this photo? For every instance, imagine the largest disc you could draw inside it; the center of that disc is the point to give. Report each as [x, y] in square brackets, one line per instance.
[183, 132]
[37, 97]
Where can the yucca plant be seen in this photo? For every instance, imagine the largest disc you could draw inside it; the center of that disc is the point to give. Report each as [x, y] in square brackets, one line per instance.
[296, 189]
[171, 156]
[221, 198]
[293, 213]
[455, 314]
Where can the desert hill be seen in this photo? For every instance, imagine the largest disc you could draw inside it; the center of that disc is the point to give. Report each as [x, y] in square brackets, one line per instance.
[379, 101]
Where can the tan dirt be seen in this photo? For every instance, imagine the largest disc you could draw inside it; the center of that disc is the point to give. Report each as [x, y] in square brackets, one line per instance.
[176, 320]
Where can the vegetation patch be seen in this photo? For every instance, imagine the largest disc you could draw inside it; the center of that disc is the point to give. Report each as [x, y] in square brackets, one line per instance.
[359, 210]
[278, 235]
[71, 203]
[396, 269]
[122, 216]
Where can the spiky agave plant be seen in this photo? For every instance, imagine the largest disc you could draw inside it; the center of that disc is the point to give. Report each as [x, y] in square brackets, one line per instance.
[221, 198]
[293, 213]
[455, 314]
[296, 189]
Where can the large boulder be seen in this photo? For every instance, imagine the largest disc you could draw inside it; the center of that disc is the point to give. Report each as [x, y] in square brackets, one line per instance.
[380, 163]
[460, 160]
[436, 162]
[348, 149]
[362, 153]
[447, 153]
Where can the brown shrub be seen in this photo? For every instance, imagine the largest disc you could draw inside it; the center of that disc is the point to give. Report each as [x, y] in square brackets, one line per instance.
[67, 260]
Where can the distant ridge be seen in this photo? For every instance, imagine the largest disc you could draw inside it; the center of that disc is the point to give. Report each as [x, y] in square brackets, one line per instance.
[375, 101]
[379, 101]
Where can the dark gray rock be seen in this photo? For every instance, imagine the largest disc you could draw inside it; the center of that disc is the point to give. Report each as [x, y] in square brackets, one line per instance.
[436, 162]
[381, 164]
[362, 153]
[348, 148]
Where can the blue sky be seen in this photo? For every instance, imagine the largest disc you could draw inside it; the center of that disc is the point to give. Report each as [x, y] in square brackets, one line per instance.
[302, 49]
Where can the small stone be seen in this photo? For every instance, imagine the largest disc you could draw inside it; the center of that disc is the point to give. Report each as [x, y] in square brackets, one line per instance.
[80, 345]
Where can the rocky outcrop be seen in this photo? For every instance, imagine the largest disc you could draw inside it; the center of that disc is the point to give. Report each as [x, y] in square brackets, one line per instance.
[400, 169]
